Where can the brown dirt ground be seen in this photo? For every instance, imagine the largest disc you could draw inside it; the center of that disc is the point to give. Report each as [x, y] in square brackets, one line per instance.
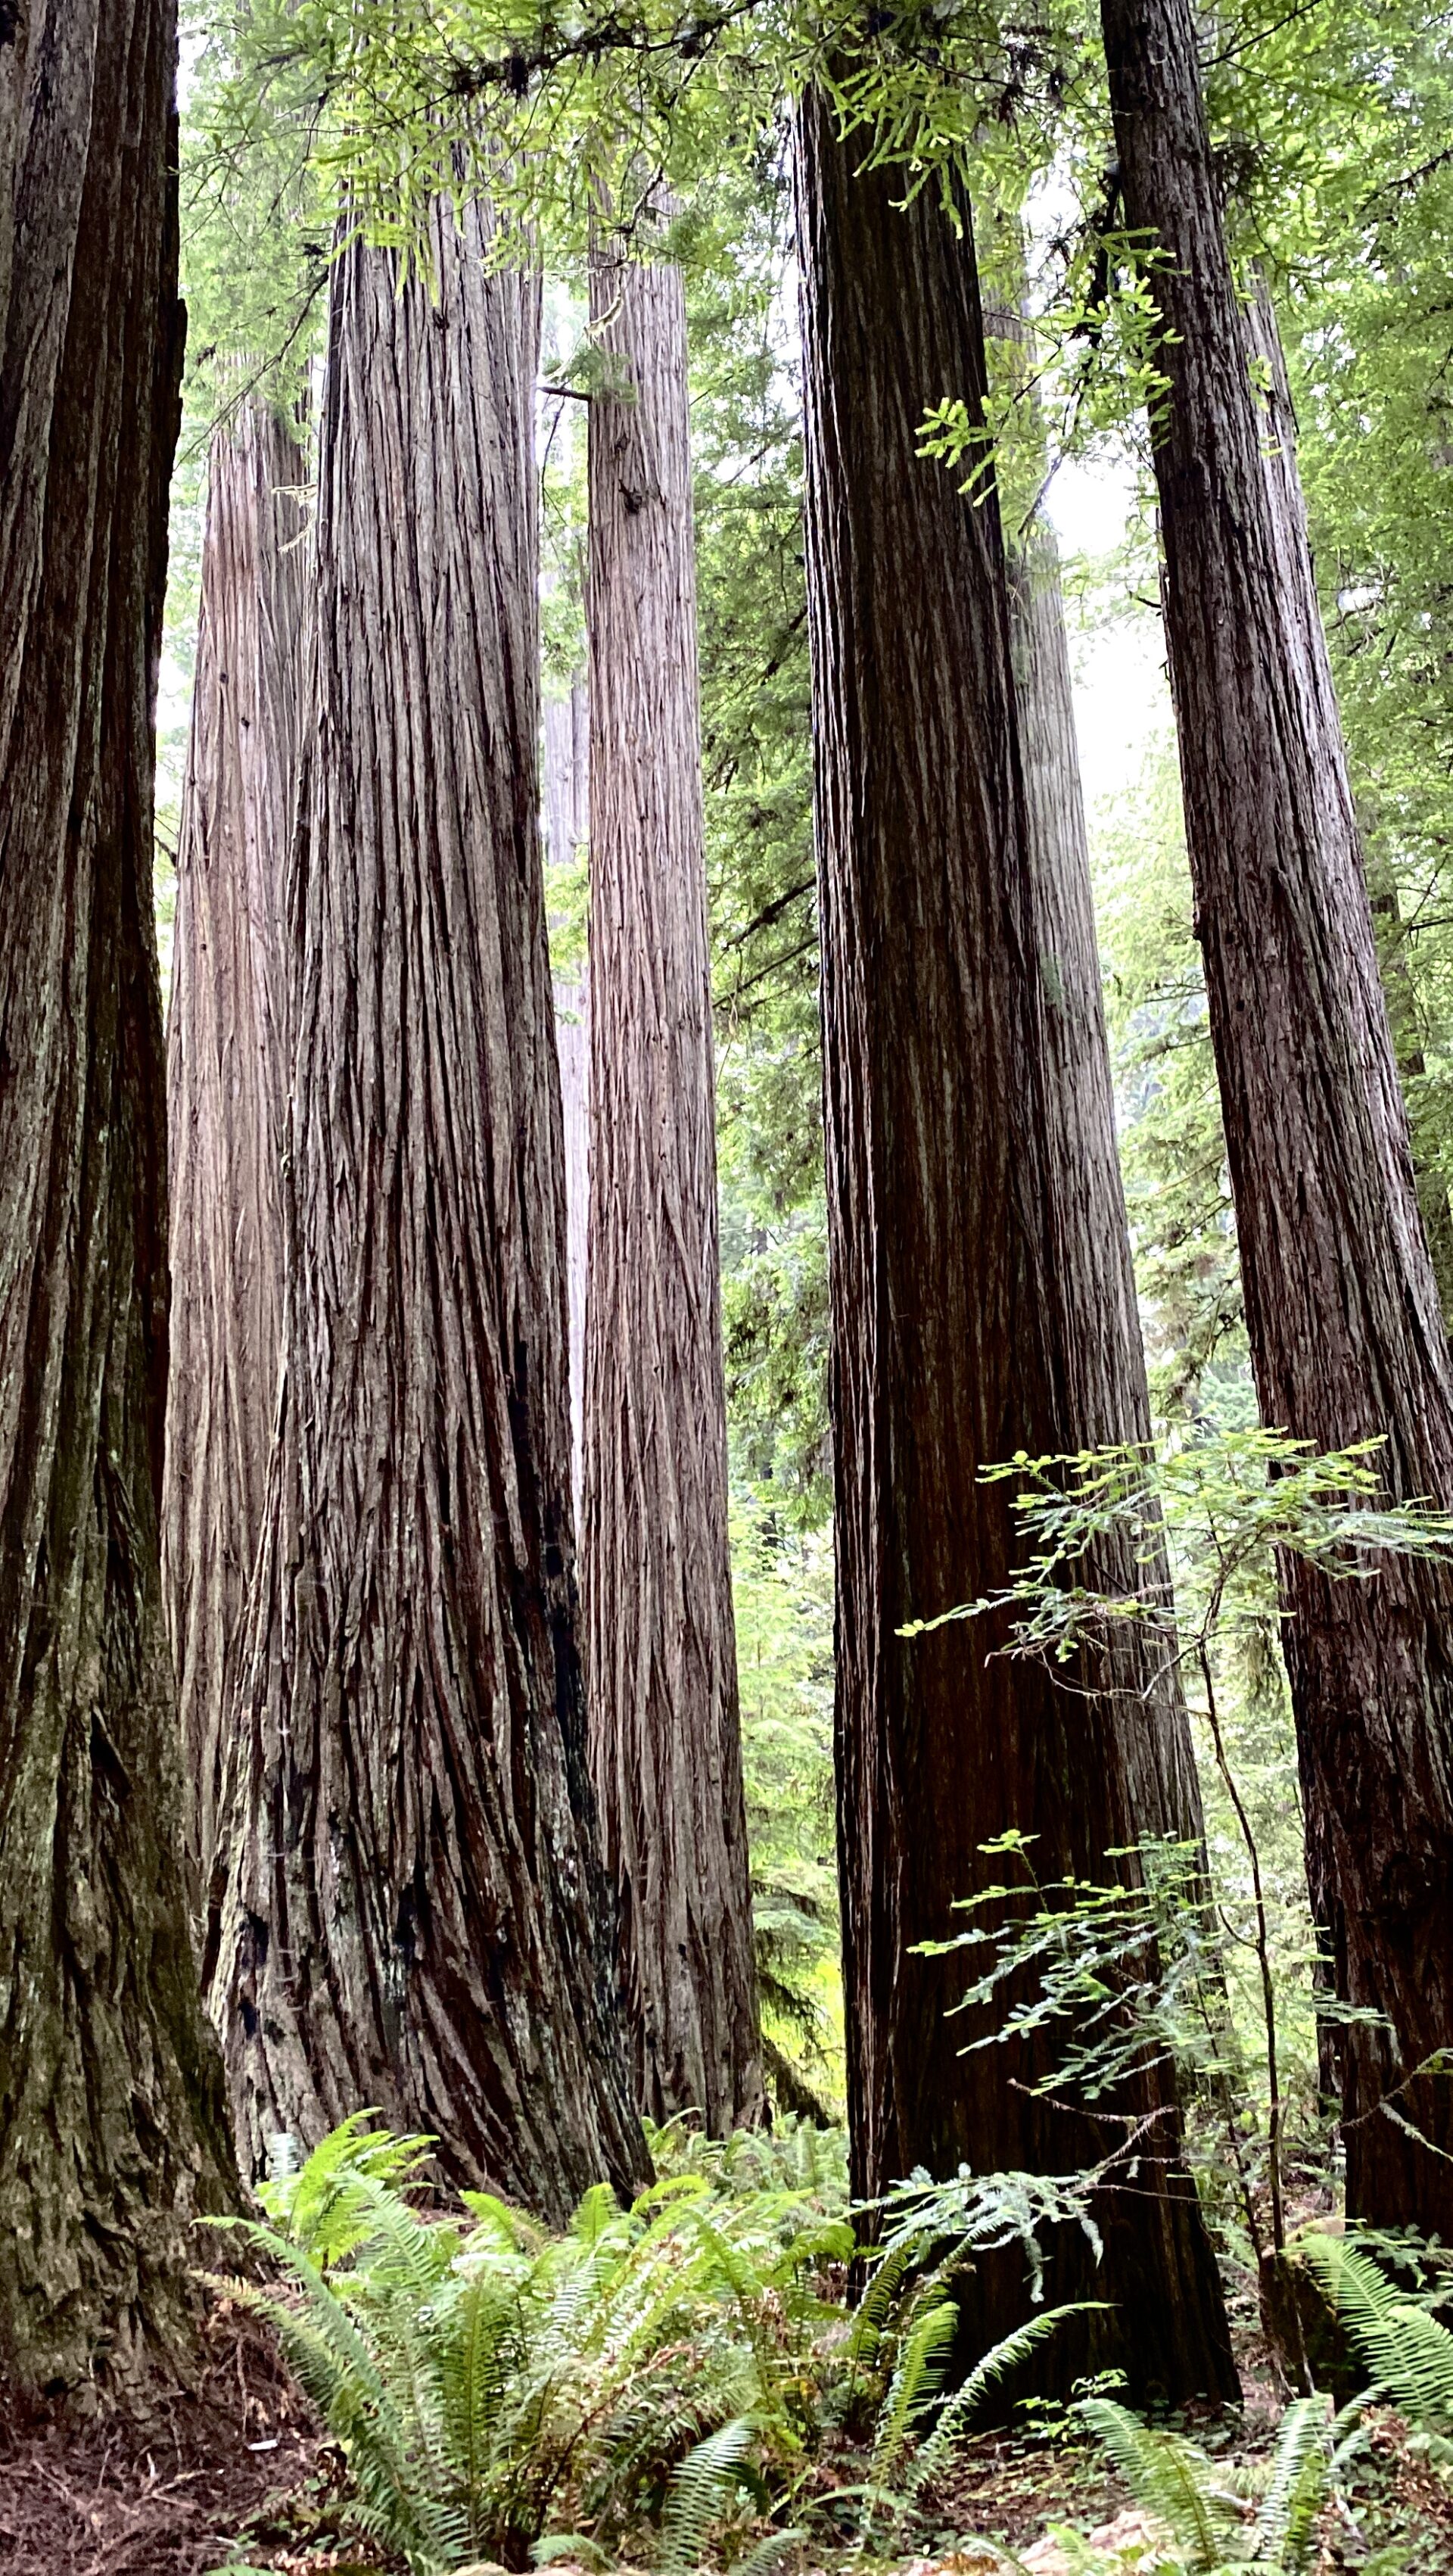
[163, 2496]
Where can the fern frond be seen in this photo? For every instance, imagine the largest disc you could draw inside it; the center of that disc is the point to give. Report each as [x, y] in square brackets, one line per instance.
[698, 2487]
[914, 2384]
[1408, 2352]
[1170, 2480]
[1301, 2478]
[959, 2409]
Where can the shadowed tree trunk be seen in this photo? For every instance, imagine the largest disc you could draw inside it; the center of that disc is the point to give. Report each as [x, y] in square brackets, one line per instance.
[227, 1070]
[950, 1322]
[567, 791]
[1341, 1308]
[113, 2130]
[661, 1643]
[1106, 1389]
[414, 1916]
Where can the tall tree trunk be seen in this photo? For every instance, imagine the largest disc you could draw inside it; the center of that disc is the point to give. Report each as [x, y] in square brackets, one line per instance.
[950, 1321]
[1279, 448]
[1341, 1308]
[661, 1642]
[1107, 1391]
[414, 1915]
[113, 2131]
[227, 1071]
[567, 791]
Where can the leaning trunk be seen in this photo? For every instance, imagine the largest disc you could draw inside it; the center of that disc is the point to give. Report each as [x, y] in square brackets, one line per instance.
[414, 1913]
[1341, 1307]
[113, 2129]
[227, 1071]
[665, 1732]
[950, 1328]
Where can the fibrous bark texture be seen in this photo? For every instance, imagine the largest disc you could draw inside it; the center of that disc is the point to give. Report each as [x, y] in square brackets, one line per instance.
[227, 1071]
[661, 1645]
[113, 2129]
[567, 794]
[1106, 1390]
[414, 1917]
[1341, 1307]
[949, 1320]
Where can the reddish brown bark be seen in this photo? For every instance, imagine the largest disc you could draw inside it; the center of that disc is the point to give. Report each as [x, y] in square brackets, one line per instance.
[1341, 1308]
[227, 1070]
[113, 2131]
[661, 1641]
[414, 1915]
[951, 1322]
[567, 801]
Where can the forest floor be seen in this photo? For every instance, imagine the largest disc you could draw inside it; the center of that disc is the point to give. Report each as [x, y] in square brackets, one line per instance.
[243, 2460]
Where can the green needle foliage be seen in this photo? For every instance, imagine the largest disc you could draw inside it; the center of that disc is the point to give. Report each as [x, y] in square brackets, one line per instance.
[1217, 1973]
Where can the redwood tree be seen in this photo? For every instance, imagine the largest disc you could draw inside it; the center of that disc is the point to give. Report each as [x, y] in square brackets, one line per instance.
[1106, 1390]
[661, 1645]
[952, 1315]
[414, 1913]
[566, 802]
[113, 2129]
[227, 1068]
[1341, 1307]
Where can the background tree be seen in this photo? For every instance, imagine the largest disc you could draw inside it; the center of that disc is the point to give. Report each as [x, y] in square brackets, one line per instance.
[414, 1916]
[950, 1322]
[661, 1646]
[113, 2131]
[1342, 1312]
[228, 1065]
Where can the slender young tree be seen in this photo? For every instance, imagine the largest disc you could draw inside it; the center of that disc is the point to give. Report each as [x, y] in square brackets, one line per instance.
[227, 1069]
[113, 2131]
[414, 1916]
[1341, 1308]
[661, 1644]
[950, 1322]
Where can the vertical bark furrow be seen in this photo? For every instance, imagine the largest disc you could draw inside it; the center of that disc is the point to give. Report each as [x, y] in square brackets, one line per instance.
[950, 1323]
[227, 1069]
[661, 1643]
[414, 1917]
[112, 2122]
[1341, 1307]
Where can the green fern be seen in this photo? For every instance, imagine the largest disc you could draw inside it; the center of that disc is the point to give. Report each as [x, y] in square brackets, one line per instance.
[1407, 2351]
[1178, 2487]
[490, 2383]
[988, 2374]
[697, 2492]
[1171, 2480]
